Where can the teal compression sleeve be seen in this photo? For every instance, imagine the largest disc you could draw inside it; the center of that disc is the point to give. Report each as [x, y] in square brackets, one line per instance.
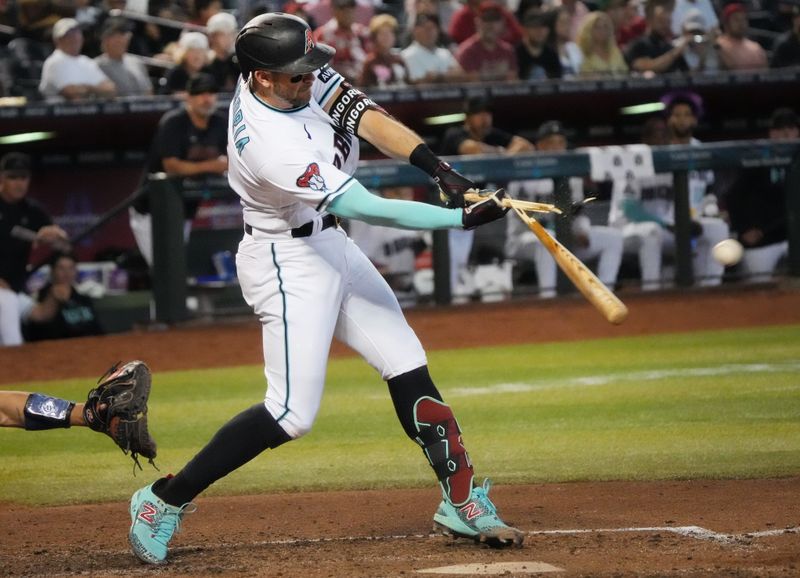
[358, 203]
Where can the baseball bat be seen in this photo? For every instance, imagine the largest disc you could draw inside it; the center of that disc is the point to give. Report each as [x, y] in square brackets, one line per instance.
[581, 276]
[516, 204]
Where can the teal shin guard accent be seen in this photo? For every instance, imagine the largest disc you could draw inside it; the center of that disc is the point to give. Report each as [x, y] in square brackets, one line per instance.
[358, 203]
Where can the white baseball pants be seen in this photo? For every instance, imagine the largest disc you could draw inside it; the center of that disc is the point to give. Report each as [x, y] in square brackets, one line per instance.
[305, 291]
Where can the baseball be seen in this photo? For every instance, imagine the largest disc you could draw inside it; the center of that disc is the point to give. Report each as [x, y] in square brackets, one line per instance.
[728, 252]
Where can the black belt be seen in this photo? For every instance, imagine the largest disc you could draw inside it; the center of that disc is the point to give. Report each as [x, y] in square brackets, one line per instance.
[303, 230]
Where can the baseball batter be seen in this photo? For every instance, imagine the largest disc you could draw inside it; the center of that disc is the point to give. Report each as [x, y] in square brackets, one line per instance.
[293, 146]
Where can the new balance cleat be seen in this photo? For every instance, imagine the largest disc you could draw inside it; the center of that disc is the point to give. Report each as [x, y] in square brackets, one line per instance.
[153, 523]
[476, 520]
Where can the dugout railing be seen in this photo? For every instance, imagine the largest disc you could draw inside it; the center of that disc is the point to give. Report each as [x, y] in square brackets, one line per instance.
[169, 277]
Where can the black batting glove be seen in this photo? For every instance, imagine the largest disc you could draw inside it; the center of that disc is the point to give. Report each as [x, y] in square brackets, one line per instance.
[452, 184]
[489, 209]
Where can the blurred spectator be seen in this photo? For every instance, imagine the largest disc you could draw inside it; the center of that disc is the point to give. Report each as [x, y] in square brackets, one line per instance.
[128, 73]
[477, 135]
[589, 241]
[704, 7]
[392, 251]
[23, 223]
[464, 24]
[536, 57]
[701, 51]
[348, 37]
[36, 18]
[485, 56]
[202, 10]
[299, 9]
[736, 51]
[428, 62]
[628, 23]
[383, 66]
[756, 206]
[155, 38]
[599, 47]
[786, 51]
[654, 52]
[191, 57]
[67, 72]
[190, 141]
[67, 313]
[322, 11]
[577, 12]
[222, 29]
[443, 10]
[569, 54]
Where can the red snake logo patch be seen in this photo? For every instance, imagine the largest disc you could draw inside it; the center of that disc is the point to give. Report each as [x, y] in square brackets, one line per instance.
[311, 179]
[309, 42]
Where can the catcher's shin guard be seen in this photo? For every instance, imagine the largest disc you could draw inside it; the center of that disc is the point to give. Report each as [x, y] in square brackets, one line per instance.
[440, 437]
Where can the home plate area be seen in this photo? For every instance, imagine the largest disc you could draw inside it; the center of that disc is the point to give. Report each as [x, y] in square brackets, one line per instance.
[495, 569]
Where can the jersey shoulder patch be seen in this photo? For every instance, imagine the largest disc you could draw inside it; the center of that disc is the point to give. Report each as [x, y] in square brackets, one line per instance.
[311, 178]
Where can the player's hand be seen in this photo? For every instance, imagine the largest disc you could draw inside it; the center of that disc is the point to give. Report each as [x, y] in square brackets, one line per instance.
[489, 209]
[53, 235]
[452, 185]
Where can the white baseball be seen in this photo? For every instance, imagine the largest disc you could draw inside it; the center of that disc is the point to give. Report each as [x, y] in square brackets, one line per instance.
[728, 252]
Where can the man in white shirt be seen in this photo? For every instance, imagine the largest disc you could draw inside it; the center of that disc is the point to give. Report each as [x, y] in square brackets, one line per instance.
[68, 73]
[426, 61]
[128, 74]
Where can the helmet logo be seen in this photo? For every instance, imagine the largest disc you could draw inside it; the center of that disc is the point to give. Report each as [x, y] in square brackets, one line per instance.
[309, 41]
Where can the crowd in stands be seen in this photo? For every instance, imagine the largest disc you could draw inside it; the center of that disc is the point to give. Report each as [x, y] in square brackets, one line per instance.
[75, 49]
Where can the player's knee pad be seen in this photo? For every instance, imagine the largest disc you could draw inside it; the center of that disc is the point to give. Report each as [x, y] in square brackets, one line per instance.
[440, 438]
[45, 412]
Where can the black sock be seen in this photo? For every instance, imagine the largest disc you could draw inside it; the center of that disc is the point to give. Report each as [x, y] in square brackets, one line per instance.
[405, 390]
[236, 443]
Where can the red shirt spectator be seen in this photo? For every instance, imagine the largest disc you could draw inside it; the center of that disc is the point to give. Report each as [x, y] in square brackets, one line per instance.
[348, 37]
[736, 51]
[462, 25]
[484, 56]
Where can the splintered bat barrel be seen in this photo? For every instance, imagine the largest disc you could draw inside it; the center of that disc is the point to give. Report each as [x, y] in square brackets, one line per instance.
[581, 276]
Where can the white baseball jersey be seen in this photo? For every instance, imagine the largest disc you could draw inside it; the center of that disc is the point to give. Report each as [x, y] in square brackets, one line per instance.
[287, 165]
[287, 175]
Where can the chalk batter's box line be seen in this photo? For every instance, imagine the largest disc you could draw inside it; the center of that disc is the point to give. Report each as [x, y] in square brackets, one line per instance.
[696, 532]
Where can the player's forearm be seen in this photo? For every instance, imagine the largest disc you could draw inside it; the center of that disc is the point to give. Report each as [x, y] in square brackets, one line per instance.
[391, 137]
[358, 203]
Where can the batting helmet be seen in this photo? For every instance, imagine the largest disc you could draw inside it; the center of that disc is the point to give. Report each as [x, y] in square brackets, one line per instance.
[280, 43]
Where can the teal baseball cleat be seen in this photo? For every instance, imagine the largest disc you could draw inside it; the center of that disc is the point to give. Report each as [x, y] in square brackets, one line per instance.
[477, 520]
[153, 523]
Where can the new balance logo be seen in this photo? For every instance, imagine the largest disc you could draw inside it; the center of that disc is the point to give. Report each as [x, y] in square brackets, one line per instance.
[471, 511]
[148, 513]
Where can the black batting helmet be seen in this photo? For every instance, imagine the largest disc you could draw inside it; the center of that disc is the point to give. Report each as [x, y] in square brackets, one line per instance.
[280, 43]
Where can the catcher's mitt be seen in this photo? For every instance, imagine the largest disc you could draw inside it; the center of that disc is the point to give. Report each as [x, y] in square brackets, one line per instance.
[117, 407]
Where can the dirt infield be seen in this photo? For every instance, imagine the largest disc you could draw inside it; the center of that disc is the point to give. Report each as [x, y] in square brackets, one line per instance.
[681, 528]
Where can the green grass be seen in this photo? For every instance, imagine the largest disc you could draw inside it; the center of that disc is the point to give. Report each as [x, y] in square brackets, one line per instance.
[701, 405]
